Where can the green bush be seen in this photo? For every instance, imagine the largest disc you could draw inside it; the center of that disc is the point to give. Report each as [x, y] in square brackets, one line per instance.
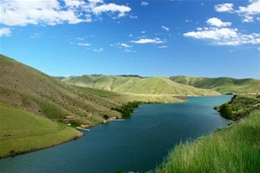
[225, 110]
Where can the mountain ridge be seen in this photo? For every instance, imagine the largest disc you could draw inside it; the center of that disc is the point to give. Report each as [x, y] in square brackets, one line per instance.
[136, 85]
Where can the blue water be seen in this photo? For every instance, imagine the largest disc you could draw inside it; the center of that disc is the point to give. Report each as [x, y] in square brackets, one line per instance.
[138, 144]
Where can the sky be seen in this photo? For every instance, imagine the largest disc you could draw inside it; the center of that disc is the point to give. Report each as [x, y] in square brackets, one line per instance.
[148, 38]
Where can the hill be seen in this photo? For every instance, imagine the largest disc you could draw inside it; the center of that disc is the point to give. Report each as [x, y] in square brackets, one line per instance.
[234, 148]
[221, 84]
[35, 107]
[29, 89]
[136, 85]
[22, 131]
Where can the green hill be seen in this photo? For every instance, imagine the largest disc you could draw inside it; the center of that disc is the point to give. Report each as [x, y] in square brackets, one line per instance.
[22, 131]
[136, 85]
[29, 89]
[35, 107]
[221, 84]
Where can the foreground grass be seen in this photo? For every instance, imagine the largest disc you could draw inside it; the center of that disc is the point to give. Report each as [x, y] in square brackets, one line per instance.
[21, 131]
[235, 148]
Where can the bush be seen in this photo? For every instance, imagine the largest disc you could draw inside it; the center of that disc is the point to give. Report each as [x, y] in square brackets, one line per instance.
[225, 110]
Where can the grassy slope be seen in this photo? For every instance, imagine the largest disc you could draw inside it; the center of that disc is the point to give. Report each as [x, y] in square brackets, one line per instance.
[137, 85]
[36, 92]
[235, 148]
[22, 131]
[28, 96]
[222, 84]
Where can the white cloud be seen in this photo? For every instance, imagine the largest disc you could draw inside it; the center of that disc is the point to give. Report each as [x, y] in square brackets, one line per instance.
[248, 13]
[226, 7]
[224, 36]
[217, 22]
[98, 50]
[144, 3]
[73, 3]
[84, 44]
[143, 32]
[111, 8]
[125, 45]
[5, 32]
[188, 20]
[258, 48]
[165, 28]
[163, 47]
[146, 41]
[53, 12]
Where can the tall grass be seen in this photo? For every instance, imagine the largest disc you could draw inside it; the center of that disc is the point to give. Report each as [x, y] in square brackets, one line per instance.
[235, 148]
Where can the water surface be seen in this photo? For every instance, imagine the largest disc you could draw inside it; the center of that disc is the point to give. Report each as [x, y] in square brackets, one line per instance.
[138, 144]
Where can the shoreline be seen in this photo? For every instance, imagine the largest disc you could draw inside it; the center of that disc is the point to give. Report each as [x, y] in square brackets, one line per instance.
[14, 153]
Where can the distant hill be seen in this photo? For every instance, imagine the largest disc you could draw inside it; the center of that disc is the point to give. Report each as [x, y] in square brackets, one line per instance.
[221, 84]
[35, 106]
[29, 89]
[136, 85]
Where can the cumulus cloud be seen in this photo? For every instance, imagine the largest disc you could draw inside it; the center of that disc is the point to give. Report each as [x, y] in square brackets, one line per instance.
[165, 28]
[217, 22]
[5, 32]
[53, 12]
[144, 3]
[224, 36]
[111, 8]
[248, 13]
[220, 33]
[147, 40]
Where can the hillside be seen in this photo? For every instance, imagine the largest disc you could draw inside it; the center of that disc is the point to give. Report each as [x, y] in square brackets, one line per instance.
[35, 108]
[221, 84]
[234, 148]
[22, 131]
[29, 89]
[136, 85]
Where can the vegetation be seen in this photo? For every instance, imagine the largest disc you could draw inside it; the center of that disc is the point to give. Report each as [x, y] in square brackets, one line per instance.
[126, 109]
[35, 107]
[239, 106]
[136, 85]
[22, 131]
[222, 84]
[235, 148]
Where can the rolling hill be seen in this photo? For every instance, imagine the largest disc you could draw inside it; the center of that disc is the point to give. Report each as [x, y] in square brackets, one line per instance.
[221, 84]
[24, 87]
[35, 108]
[136, 85]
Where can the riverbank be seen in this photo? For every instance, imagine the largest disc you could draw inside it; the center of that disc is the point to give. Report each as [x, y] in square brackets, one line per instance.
[235, 148]
[23, 132]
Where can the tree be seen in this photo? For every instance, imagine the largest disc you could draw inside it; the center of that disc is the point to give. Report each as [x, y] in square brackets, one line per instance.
[105, 117]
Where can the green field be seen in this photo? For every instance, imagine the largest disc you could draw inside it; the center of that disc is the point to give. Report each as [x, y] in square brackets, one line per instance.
[22, 131]
[235, 148]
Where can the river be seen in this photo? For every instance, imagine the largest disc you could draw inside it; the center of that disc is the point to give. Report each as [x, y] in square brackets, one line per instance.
[138, 144]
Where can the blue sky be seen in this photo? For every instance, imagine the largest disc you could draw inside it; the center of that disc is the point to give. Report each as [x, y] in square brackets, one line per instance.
[148, 38]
